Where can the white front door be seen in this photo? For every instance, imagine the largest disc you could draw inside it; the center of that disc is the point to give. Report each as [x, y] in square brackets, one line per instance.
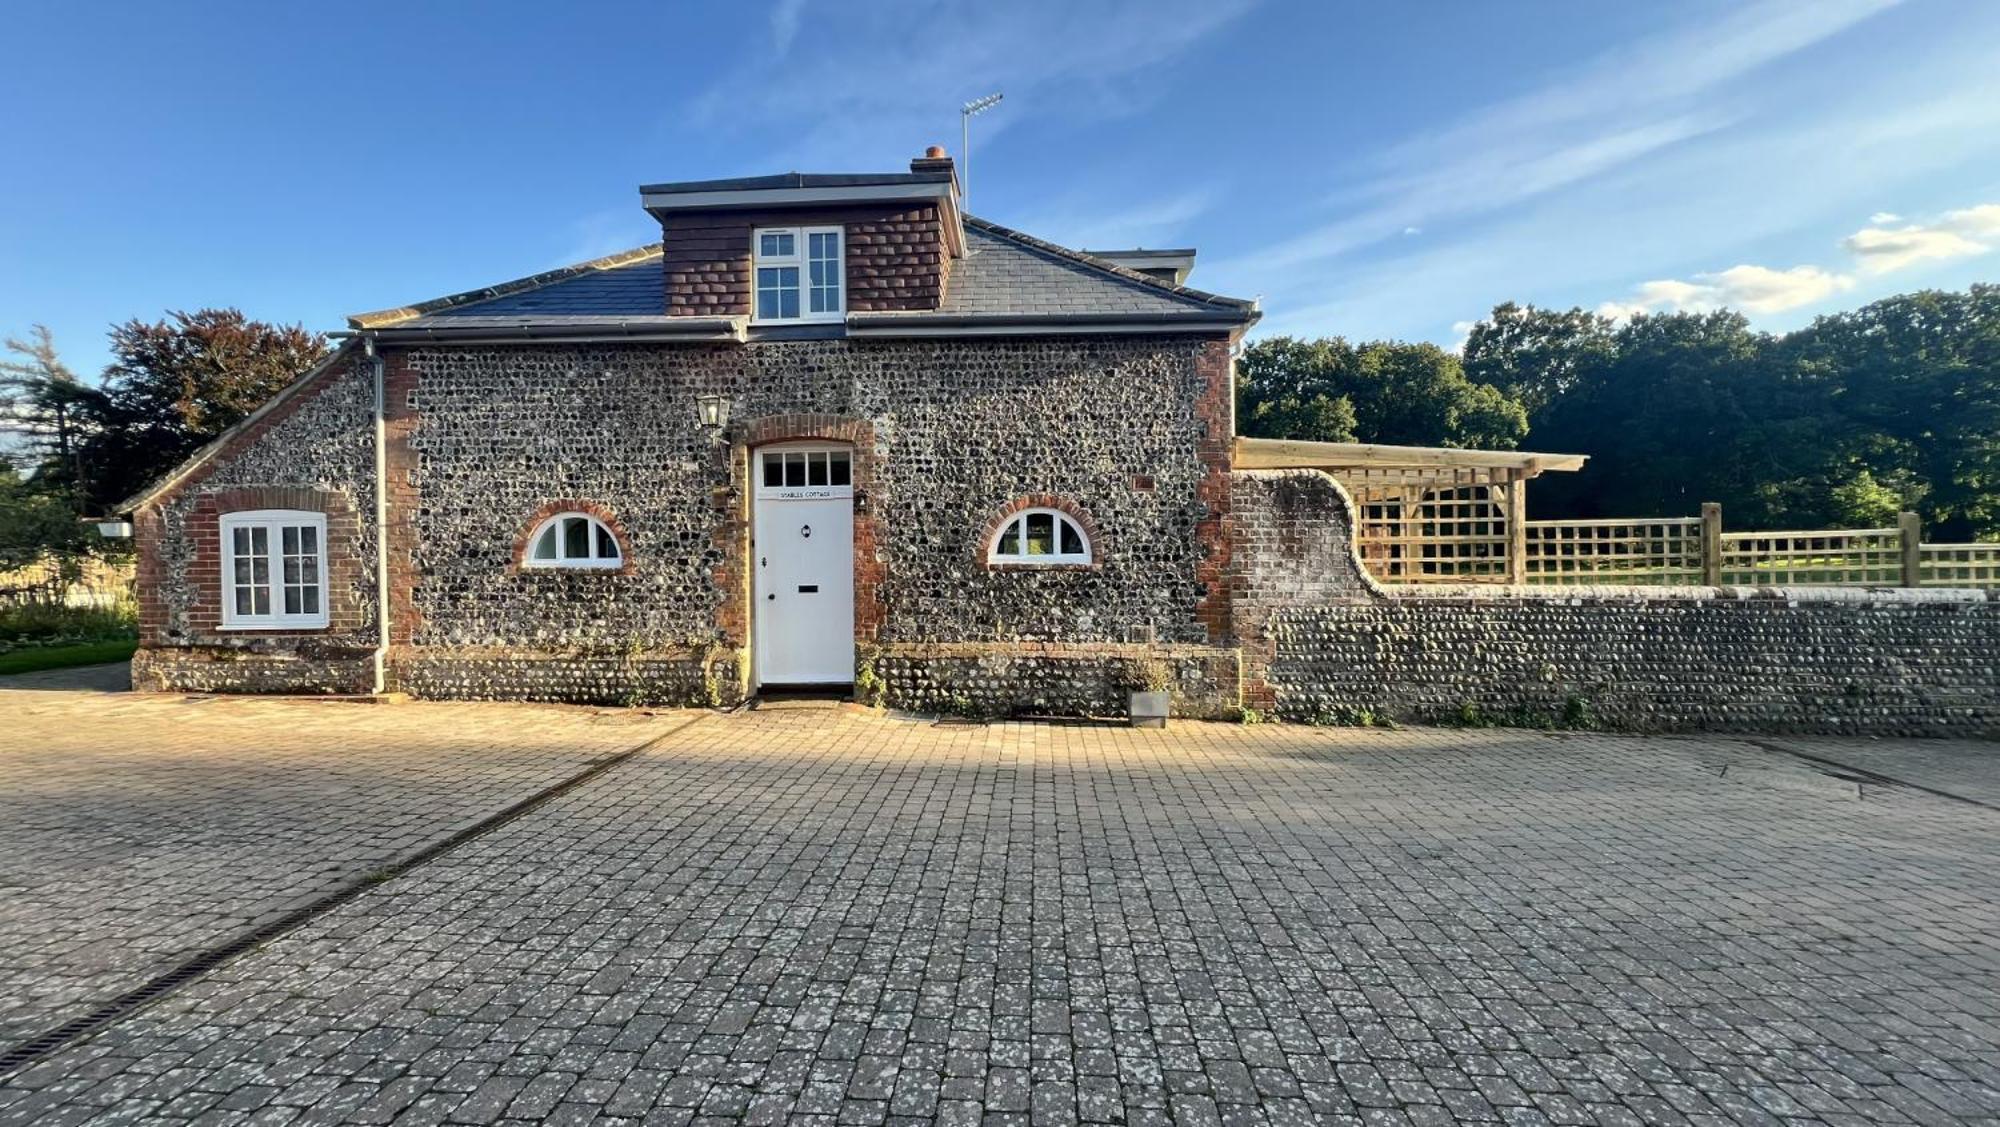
[802, 549]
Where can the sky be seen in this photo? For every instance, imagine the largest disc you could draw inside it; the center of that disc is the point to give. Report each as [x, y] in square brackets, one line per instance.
[1367, 170]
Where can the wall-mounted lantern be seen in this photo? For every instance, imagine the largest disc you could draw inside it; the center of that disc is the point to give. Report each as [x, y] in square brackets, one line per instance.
[713, 410]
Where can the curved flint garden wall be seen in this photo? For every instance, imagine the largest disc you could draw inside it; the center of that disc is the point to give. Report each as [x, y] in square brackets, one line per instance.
[1746, 659]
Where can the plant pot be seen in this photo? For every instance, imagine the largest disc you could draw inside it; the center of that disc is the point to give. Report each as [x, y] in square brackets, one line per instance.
[1150, 710]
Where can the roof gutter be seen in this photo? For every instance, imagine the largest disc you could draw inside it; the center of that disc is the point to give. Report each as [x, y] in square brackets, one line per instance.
[1040, 324]
[723, 329]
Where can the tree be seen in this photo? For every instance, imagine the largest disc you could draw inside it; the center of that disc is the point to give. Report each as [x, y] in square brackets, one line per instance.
[1909, 388]
[1676, 414]
[1382, 391]
[1538, 355]
[174, 385]
[36, 524]
[38, 395]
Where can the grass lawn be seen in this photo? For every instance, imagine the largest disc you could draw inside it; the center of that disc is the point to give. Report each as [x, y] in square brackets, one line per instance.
[32, 658]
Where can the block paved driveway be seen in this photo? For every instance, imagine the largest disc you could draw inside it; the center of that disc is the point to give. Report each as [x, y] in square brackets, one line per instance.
[829, 916]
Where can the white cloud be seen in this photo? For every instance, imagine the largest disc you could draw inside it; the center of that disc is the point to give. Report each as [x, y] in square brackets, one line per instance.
[1882, 249]
[1625, 105]
[893, 73]
[785, 15]
[1155, 223]
[1754, 289]
[1881, 217]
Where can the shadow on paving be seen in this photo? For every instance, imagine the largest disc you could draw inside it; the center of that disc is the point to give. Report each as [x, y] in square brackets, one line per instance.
[833, 917]
[137, 831]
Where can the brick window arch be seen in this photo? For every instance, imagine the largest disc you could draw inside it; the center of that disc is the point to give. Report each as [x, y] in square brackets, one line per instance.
[1040, 531]
[572, 535]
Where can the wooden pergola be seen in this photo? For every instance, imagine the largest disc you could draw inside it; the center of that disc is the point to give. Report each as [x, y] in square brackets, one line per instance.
[1426, 513]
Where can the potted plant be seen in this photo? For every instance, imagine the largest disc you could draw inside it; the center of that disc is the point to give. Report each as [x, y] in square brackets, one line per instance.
[1150, 705]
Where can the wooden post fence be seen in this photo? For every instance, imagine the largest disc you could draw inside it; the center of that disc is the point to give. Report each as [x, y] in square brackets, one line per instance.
[1711, 544]
[1910, 529]
[1517, 527]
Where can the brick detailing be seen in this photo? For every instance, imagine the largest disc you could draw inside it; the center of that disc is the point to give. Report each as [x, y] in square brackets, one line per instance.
[314, 451]
[161, 587]
[401, 419]
[1215, 452]
[982, 547]
[1652, 659]
[523, 538]
[1290, 546]
[733, 576]
[347, 609]
[946, 434]
[895, 255]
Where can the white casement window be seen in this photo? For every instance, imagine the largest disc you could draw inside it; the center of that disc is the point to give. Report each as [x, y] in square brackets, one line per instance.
[273, 570]
[800, 274]
[573, 540]
[1040, 537]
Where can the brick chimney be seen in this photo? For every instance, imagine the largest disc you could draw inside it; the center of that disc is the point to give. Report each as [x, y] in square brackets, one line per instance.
[935, 159]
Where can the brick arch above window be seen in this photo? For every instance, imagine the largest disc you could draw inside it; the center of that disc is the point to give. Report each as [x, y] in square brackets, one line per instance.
[603, 514]
[1025, 503]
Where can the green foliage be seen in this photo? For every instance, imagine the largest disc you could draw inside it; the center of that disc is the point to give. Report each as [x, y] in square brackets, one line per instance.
[36, 658]
[1538, 355]
[1862, 414]
[38, 522]
[173, 386]
[1383, 391]
[869, 687]
[47, 624]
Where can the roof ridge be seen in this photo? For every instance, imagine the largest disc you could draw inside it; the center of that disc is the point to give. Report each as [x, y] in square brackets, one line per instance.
[1124, 274]
[385, 317]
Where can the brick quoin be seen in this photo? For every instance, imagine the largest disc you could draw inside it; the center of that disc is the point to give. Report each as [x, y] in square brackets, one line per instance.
[1216, 452]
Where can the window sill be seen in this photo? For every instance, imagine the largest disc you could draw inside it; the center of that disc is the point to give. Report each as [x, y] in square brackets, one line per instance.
[274, 627]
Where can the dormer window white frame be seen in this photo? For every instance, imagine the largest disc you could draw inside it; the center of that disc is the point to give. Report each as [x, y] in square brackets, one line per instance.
[798, 275]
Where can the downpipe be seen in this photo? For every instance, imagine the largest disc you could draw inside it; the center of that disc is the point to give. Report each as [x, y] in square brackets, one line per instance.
[380, 658]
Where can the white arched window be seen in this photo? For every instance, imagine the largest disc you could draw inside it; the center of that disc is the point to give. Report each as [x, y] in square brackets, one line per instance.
[1042, 537]
[573, 540]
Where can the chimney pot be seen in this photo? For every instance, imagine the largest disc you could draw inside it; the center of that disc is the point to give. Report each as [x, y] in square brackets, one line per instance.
[934, 152]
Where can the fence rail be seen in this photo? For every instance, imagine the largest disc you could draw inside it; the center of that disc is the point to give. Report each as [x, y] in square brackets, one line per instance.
[1461, 535]
[1568, 552]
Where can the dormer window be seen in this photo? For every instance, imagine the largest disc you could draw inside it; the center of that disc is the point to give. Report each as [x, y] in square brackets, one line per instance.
[799, 273]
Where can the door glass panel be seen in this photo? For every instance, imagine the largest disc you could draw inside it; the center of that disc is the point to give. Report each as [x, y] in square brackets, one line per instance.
[774, 470]
[816, 468]
[795, 469]
[838, 470]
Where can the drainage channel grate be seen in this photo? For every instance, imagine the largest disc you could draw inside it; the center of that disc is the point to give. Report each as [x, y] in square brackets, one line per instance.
[130, 1002]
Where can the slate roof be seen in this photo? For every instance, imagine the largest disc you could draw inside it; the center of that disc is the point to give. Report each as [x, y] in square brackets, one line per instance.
[1004, 275]
[1007, 272]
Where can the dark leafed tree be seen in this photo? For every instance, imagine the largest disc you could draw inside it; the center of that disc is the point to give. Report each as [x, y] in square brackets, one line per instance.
[1382, 391]
[1537, 355]
[173, 385]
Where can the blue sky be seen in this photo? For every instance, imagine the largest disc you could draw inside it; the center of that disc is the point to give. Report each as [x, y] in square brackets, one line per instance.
[1370, 170]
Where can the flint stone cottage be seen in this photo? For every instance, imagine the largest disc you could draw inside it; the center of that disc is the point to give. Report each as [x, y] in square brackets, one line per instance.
[830, 430]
